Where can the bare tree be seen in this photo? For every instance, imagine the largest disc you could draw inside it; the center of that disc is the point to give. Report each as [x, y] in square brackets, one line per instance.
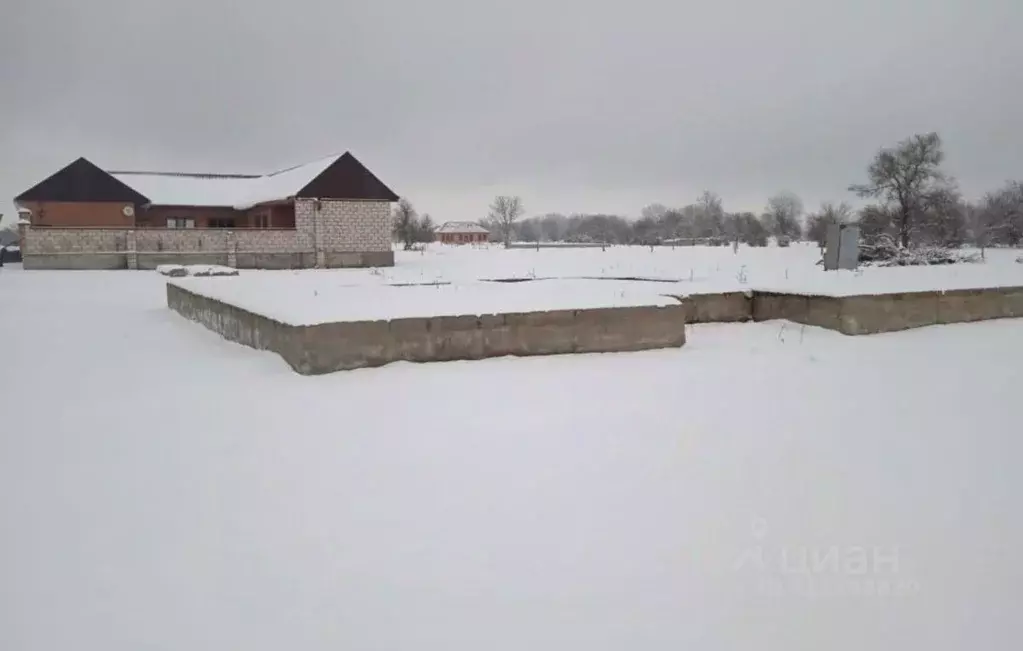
[405, 223]
[654, 211]
[817, 224]
[783, 215]
[426, 230]
[710, 216]
[942, 218]
[753, 231]
[553, 227]
[876, 222]
[504, 212]
[901, 176]
[9, 234]
[1000, 217]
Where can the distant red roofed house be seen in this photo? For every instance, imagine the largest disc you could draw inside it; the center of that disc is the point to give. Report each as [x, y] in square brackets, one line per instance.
[462, 233]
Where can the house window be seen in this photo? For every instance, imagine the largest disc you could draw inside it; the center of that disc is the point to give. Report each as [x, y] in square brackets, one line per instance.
[261, 220]
[221, 222]
[180, 222]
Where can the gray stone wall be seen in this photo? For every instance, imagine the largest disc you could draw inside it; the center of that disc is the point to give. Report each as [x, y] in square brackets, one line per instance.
[871, 314]
[73, 240]
[326, 234]
[329, 347]
[347, 225]
[718, 308]
[332, 347]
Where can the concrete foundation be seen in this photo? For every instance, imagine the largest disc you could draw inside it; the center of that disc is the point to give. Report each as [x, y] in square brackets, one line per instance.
[718, 308]
[337, 260]
[339, 346]
[76, 261]
[299, 260]
[870, 314]
[329, 347]
[153, 260]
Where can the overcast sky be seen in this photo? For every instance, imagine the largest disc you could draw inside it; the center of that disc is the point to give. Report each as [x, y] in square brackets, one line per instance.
[577, 106]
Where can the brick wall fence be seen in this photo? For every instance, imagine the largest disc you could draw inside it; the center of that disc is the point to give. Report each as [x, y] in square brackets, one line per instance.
[327, 233]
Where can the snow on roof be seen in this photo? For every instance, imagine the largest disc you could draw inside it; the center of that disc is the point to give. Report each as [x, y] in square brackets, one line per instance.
[283, 184]
[461, 227]
[187, 189]
[238, 191]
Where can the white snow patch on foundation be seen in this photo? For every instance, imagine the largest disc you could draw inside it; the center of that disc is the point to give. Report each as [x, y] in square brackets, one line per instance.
[310, 298]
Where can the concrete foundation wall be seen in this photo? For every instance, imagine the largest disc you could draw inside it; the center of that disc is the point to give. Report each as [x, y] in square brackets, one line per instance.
[339, 346]
[332, 347]
[297, 260]
[717, 308]
[79, 261]
[153, 260]
[339, 259]
[870, 314]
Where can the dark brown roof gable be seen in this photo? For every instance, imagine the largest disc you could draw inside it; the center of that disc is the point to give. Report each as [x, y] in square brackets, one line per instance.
[347, 178]
[81, 181]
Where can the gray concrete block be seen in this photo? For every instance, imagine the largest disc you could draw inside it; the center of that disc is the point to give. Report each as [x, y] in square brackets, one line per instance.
[153, 260]
[75, 261]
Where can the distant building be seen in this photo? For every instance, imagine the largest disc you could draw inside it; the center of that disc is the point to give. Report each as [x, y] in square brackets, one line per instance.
[332, 212]
[462, 233]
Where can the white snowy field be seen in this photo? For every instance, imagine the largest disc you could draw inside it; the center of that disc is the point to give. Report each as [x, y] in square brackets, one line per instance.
[766, 486]
[699, 269]
[452, 280]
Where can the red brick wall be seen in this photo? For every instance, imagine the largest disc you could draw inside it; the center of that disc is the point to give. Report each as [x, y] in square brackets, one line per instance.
[81, 214]
[92, 215]
[462, 238]
[156, 216]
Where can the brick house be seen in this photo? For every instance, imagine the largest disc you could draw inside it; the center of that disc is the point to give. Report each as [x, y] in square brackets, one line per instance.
[462, 233]
[331, 212]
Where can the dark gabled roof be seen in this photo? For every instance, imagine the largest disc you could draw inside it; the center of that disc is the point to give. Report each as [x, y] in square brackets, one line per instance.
[82, 181]
[347, 178]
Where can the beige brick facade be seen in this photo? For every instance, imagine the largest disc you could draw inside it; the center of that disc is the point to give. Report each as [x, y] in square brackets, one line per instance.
[322, 227]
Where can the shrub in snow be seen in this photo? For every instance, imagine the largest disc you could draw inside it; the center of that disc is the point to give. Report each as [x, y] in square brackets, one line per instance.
[883, 252]
[172, 270]
[211, 270]
[784, 241]
[178, 270]
[758, 239]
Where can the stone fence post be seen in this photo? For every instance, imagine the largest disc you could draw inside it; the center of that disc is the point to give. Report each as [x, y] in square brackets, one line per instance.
[232, 250]
[131, 250]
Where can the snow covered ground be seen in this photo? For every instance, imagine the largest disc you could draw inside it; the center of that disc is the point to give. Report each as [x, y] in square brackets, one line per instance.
[161, 488]
[698, 269]
[450, 280]
[308, 298]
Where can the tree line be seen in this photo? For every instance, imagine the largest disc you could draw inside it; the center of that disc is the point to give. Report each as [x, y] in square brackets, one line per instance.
[913, 202]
